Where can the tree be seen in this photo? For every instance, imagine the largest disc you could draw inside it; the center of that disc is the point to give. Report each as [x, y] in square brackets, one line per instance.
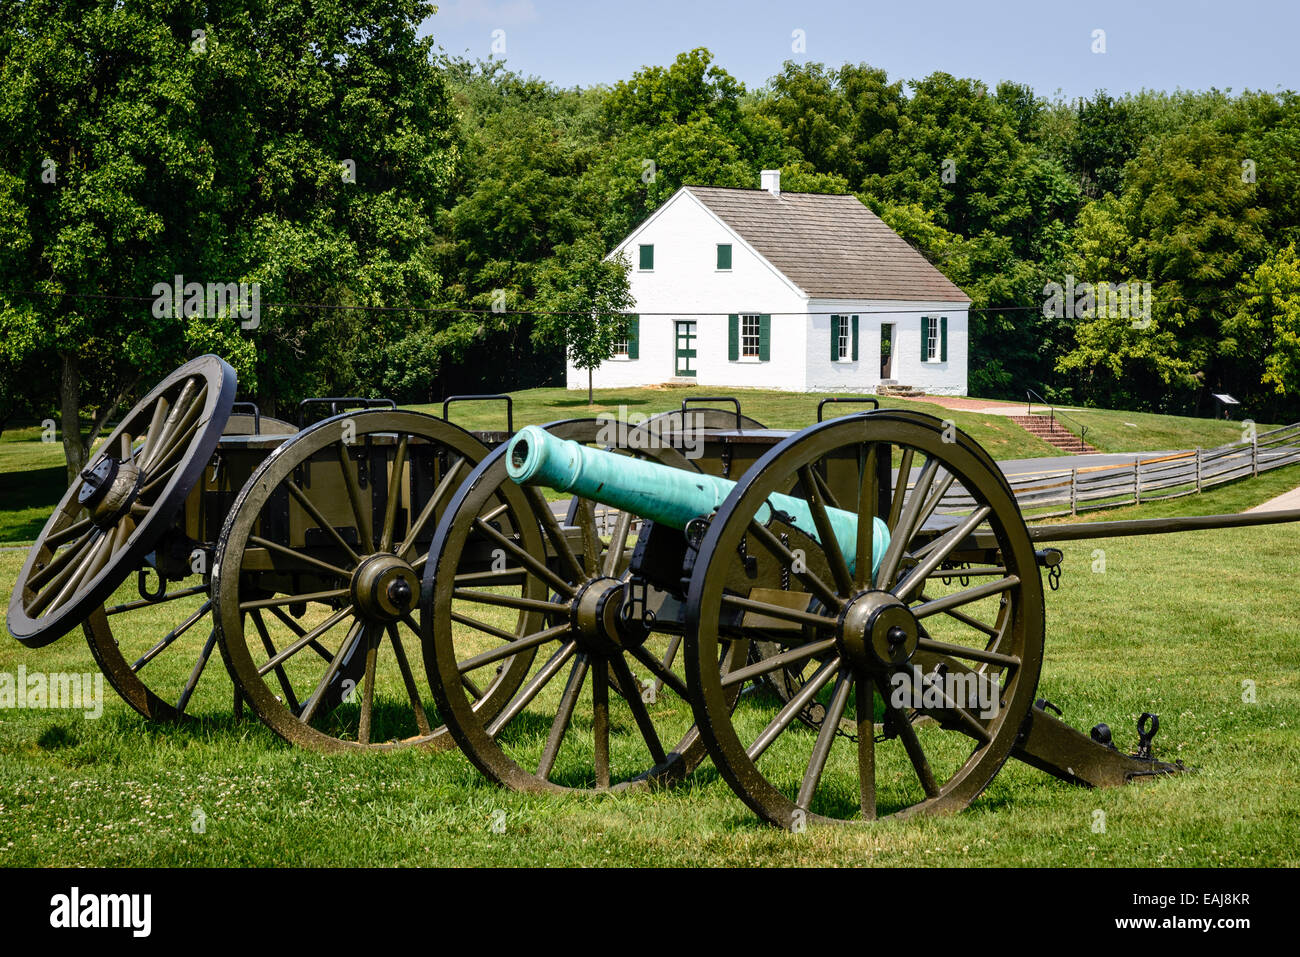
[1267, 325]
[210, 144]
[586, 298]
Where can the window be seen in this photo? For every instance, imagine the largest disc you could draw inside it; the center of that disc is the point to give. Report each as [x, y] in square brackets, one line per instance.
[724, 256]
[844, 338]
[626, 347]
[647, 257]
[750, 326]
[934, 338]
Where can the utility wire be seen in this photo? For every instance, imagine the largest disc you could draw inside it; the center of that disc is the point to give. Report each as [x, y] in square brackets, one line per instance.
[454, 310]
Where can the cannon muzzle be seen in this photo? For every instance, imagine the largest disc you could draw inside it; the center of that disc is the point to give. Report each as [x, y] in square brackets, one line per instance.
[665, 495]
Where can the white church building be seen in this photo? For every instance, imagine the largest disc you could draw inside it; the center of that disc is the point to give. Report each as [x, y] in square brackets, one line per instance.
[803, 292]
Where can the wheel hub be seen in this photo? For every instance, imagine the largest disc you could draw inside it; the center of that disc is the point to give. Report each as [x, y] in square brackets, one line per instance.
[877, 632]
[384, 588]
[108, 490]
[598, 622]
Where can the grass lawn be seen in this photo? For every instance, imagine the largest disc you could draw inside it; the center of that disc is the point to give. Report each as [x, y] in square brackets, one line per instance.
[32, 479]
[1173, 624]
[1110, 431]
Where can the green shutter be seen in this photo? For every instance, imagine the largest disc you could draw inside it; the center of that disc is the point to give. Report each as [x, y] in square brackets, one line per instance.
[925, 338]
[733, 337]
[943, 339]
[634, 337]
[764, 338]
[724, 255]
[855, 338]
[835, 338]
[647, 257]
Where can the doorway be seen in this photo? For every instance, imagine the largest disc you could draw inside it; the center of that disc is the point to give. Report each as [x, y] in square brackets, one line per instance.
[685, 365]
[886, 349]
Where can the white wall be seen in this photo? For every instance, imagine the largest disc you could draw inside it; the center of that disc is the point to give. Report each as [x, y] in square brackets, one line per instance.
[685, 280]
[939, 378]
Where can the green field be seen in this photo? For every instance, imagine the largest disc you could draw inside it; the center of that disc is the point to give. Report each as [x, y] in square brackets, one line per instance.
[1174, 624]
[1110, 431]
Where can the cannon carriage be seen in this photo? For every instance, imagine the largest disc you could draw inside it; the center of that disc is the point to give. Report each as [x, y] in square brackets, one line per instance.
[848, 619]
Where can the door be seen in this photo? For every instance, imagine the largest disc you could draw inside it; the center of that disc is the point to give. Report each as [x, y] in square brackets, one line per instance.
[685, 364]
[886, 349]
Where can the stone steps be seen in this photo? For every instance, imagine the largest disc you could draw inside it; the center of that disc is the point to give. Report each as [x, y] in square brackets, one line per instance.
[903, 391]
[1052, 432]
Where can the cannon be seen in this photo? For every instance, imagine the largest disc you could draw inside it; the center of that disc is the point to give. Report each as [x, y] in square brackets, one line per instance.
[824, 687]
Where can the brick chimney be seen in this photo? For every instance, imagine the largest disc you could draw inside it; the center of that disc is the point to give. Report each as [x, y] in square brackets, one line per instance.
[770, 180]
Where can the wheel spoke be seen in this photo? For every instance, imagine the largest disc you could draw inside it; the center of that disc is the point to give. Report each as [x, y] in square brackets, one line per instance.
[825, 738]
[617, 544]
[150, 603]
[529, 561]
[827, 495]
[591, 547]
[171, 636]
[359, 512]
[512, 648]
[807, 576]
[394, 490]
[868, 505]
[941, 549]
[199, 665]
[600, 722]
[530, 690]
[373, 635]
[408, 679]
[639, 712]
[430, 507]
[779, 611]
[308, 638]
[662, 672]
[971, 654]
[506, 601]
[793, 707]
[826, 534]
[901, 534]
[60, 561]
[911, 745]
[290, 699]
[345, 647]
[300, 631]
[298, 555]
[542, 511]
[802, 653]
[301, 599]
[321, 521]
[900, 488]
[563, 716]
[151, 433]
[864, 703]
[956, 599]
[74, 530]
[174, 415]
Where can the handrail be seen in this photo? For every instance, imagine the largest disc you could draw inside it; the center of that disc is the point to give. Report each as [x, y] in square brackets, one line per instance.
[1030, 395]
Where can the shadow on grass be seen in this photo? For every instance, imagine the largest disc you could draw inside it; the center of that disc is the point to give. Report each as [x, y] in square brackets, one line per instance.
[38, 489]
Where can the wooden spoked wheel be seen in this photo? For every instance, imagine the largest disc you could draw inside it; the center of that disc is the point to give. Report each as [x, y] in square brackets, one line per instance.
[155, 639]
[913, 685]
[316, 581]
[604, 707]
[122, 503]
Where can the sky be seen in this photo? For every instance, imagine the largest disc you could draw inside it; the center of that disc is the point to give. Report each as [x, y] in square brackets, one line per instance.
[1048, 44]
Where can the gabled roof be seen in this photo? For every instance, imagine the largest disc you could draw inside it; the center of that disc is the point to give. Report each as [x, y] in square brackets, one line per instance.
[829, 246]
